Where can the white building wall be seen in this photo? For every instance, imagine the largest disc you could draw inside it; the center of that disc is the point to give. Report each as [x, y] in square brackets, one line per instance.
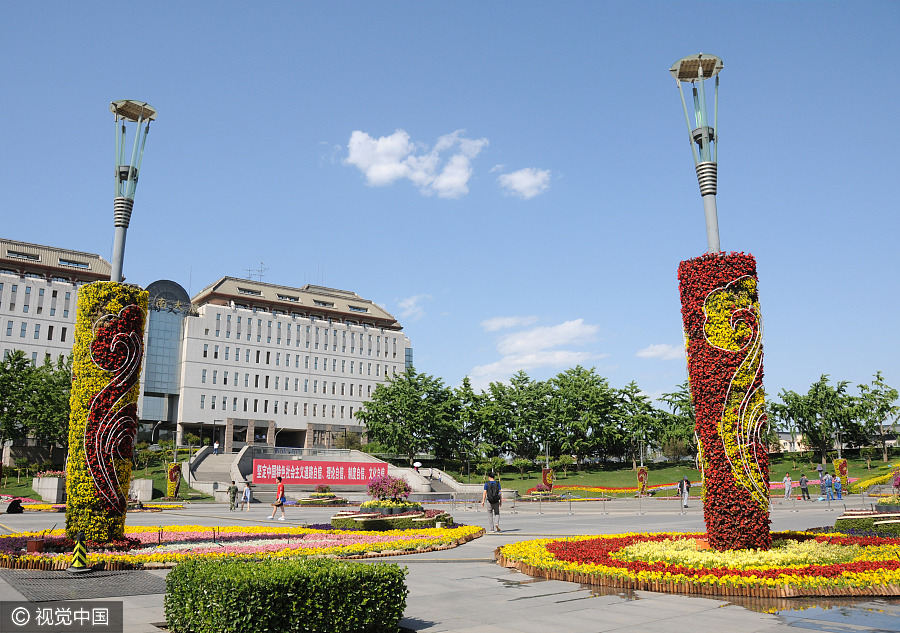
[291, 369]
[37, 316]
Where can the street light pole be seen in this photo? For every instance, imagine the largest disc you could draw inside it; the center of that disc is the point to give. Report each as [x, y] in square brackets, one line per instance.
[702, 136]
[126, 174]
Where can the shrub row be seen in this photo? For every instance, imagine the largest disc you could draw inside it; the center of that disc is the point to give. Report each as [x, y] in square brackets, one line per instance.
[388, 522]
[270, 595]
[865, 525]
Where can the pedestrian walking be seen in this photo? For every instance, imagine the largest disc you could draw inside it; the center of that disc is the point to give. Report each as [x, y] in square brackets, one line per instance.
[247, 497]
[492, 496]
[684, 489]
[788, 484]
[279, 499]
[804, 487]
[232, 497]
[819, 470]
[836, 482]
[216, 447]
[827, 489]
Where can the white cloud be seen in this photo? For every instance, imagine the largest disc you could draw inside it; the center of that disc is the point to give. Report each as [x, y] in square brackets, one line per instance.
[504, 323]
[567, 333]
[533, 348]
[387, 159]
[411, 307]
[663, 351]
[525, 183]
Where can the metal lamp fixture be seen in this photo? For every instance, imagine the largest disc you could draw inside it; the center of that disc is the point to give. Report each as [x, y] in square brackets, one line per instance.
[126, 175]
[702, 136]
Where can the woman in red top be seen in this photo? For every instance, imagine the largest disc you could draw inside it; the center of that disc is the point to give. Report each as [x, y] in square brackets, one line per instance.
[279, 500]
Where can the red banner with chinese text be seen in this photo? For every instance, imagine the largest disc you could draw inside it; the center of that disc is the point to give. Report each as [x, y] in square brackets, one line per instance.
[308, 472]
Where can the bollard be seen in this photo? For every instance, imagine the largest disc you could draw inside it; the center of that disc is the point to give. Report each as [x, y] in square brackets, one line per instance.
[794, 502]
[570, 507]
[540, 506]
[79, 556]
[604, 511]
[640, 504]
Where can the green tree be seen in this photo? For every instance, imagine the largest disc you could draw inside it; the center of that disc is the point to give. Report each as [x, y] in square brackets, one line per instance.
[678, 436]
[639, 421]
[878, 411]
[521, 464]
[16, 389]
[469, 420]
[47, 408]
[581, 409]
[563, 463]
[409, 413]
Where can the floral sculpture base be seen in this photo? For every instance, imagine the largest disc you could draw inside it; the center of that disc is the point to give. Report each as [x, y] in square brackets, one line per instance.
[723, 332]
[804, 564]
[106, 365]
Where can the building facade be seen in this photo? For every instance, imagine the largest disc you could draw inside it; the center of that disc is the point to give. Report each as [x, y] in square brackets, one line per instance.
[38, 292]
[242, 361]
[282, 365]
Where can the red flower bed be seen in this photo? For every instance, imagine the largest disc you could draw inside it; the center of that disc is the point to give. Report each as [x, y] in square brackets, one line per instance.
[734, 520]
[598, 551]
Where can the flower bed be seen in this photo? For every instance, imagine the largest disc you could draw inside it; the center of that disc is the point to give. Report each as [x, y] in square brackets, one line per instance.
[865, 523]
[613, 490]
[379, 522]
[798, 564]
[149, 546]
[44, 507]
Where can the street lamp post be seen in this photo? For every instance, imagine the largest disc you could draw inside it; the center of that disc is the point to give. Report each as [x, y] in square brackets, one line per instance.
[126, 175]
[702, 136]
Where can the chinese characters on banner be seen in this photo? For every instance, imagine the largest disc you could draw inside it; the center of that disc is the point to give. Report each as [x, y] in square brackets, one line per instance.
[307, 472]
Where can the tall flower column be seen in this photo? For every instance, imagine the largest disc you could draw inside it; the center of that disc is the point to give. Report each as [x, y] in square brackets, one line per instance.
[106, 366]
[723, 331]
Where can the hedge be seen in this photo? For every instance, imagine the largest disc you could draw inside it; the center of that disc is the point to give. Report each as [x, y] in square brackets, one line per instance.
[284, 596]
[865, 525]
[388, 522]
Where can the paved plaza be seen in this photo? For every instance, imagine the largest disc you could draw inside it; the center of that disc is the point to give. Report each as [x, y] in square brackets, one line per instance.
[463, 590]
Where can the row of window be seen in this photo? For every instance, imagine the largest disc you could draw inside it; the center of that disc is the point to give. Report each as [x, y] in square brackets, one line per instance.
[278, 384]
[34, 356]
[225, 403]
[269, 357]
[23, 331]
[314, 335]
[26, 297]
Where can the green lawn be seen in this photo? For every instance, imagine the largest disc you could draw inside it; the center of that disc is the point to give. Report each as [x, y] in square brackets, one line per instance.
[22, 489]
[621, 476]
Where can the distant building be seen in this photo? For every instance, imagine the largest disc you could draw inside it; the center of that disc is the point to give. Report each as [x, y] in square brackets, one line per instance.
[266, 363]
[38, 291]
[241, 361]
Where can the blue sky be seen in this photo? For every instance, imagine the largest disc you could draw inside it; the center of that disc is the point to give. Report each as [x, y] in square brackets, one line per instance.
[512, 180]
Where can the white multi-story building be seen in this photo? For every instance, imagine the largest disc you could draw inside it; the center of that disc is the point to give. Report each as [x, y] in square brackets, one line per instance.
[265, 363]
[38, 292]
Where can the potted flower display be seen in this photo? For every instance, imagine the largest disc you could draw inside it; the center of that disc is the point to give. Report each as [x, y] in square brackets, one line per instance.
[390, 496]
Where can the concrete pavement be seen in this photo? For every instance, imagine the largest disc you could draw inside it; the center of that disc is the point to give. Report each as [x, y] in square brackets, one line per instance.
[464, 591]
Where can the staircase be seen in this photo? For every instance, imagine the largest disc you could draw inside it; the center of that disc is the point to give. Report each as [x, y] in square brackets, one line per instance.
[215, 468]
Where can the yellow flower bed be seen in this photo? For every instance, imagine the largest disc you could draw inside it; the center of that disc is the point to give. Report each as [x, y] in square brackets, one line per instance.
[864, 484]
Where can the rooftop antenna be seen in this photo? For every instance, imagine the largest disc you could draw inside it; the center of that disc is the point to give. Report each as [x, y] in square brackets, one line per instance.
[258, 273]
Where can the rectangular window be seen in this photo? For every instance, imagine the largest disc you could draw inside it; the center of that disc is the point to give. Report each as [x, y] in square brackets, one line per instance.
[268, 357]
[216, 351]
[245, 404]
[255, 405]
[295, 408]
[22, 331]
[215, 373]
[213, 403]
[225, 378]
[227, 349]
[315, 363]
[202, 401]
[265, 406]
[267, 382]
[306, 362]
[315, 385]
[234, 404]
[37, 330]
[205, 350]
[9, 325]
[247, 357]
[63, 336]
[49, 332]
[237, 354]
[275, 410]
[305, 408]
[203, 376]
[305, 385]
[277, 359]
[256, 381]
[257, 356]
